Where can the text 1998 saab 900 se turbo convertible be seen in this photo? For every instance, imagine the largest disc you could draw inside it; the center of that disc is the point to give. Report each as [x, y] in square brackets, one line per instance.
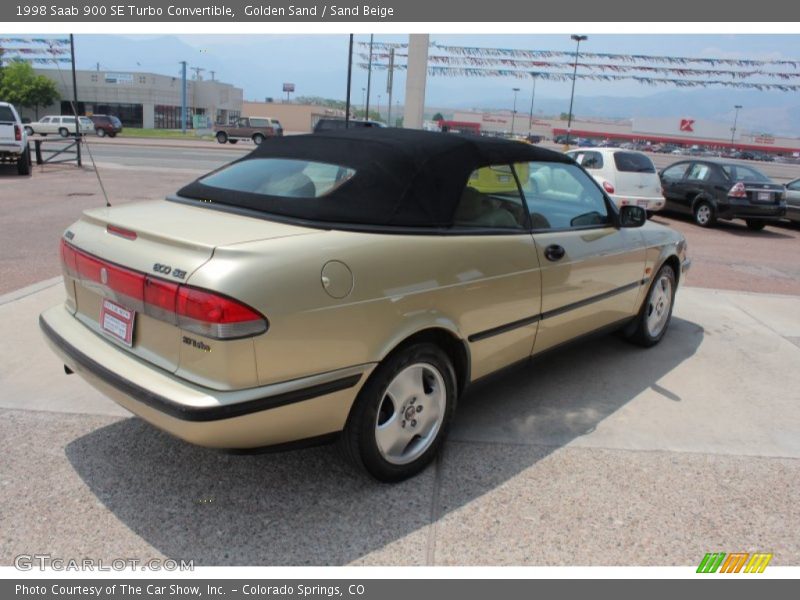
[350, 285]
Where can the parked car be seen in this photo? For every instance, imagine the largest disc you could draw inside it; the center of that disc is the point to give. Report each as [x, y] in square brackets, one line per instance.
[792, 195]
[628, 177]
[350, 285]
[711, 189]
[62, 125]
[248, 128]
[14, 139]
[106, 125]
[330, 124]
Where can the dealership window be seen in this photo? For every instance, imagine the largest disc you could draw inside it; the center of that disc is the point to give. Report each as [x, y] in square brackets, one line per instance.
[169, 117]
[491, 198]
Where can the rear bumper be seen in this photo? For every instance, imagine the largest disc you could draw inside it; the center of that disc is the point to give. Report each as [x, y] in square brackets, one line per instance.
[651, 203]
[747, 210]
[280, 413]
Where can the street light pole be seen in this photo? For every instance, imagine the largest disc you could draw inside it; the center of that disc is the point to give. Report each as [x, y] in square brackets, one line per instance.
[369, 76]
[578, 39]
[533, 95]
[514, 111]
[735, 120]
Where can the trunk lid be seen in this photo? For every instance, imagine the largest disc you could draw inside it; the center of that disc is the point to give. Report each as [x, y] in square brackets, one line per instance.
[167, 242]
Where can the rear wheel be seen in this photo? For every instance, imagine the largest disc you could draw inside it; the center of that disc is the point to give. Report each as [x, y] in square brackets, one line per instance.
[704, 214]
[222, 137]
[63, 132]
[24, 163]
[753, 225]
[401, 415]
[653, 320]
[258, 138]
[112, 134]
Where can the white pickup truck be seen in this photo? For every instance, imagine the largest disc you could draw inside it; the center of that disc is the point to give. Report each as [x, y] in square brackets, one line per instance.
[13, 139]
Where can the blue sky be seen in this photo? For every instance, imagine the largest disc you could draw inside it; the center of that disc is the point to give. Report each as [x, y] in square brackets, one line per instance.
[317, 63]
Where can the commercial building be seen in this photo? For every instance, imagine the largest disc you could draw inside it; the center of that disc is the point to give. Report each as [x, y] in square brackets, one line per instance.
[146, 100]
[686, 131]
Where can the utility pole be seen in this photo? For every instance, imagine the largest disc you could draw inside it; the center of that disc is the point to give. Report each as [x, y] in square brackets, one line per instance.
[349, 79]
[197, 71]
[183, 96]
[578, 39]
[213, 73]
[533, 95]
[369, 76]
[514, 111]
[389, 83]
[735, 120]
[75, 101]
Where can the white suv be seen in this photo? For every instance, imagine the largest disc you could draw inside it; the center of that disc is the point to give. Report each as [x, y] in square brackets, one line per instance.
[13, 140]
[628, 177]
[62, 125]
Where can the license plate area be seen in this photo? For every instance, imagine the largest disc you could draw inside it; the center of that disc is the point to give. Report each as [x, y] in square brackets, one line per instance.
[117, 321]
[764, 197]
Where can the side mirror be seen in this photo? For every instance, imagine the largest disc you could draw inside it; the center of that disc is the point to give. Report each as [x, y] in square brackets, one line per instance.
[632, 216]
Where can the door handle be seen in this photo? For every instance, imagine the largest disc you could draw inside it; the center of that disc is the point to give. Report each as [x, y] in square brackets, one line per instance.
[554, 252]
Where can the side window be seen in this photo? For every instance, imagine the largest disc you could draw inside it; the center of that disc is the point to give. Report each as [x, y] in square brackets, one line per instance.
[698, 172]
[674, 173]
[794, 186]
[592, 160]
[561, 196]
[491, 198]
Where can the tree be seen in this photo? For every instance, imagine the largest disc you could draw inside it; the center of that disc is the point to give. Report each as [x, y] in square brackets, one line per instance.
[21, 86]
[438, 117]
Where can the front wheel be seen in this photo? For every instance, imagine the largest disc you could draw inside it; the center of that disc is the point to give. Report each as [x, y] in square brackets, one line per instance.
[29, 131]
[401, 415]
[753, 225]
[653, 320]
[101, 133]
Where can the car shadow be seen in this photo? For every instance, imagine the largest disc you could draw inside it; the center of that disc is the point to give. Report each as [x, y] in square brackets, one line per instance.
[309, 507]
[10, 170]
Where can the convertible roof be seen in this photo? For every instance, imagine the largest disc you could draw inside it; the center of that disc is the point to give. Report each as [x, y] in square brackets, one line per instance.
[404, 178]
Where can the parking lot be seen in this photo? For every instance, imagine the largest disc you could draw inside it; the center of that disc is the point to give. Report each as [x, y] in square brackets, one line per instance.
[603, 454]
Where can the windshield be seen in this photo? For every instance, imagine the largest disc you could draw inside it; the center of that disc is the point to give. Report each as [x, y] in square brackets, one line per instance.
[286, 178]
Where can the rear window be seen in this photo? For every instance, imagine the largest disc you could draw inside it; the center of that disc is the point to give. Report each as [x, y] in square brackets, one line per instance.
[742, 173]
[285, 178]
[6, 116]
[633, 162]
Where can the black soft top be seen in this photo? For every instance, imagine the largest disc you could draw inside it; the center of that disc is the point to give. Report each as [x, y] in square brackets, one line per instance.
[404, 177]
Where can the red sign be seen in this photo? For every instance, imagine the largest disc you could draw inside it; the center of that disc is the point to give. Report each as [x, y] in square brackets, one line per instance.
[687, 125]
[117, 321]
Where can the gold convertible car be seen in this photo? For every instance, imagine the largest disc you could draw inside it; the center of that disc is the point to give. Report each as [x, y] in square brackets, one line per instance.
[350, 285]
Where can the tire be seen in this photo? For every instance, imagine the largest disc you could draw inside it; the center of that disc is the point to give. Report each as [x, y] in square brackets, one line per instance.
[24, 163]
[222, 137]
[101, 133]
[388, 433]
[704, 214]
[258, 138]
[112, 134]
[755, 225]
[655, 315]
[29, 131]
[63, 132]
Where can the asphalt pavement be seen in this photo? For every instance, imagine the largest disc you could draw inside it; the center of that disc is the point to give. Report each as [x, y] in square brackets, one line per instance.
[603, 454]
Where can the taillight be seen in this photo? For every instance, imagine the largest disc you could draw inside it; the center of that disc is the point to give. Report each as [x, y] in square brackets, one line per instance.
[190, 308]
[17, 133]
[608, 187]
[216, 316]
[738, 191]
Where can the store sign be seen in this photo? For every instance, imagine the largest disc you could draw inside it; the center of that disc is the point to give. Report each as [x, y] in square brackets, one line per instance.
[121, 78]
[687, 124]
[288, 87]
[764, 138]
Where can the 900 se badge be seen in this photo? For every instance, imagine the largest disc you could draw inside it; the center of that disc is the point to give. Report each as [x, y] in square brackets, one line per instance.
[167, 270]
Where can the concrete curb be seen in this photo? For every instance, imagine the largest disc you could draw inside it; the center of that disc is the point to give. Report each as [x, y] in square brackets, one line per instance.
[29, 290]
